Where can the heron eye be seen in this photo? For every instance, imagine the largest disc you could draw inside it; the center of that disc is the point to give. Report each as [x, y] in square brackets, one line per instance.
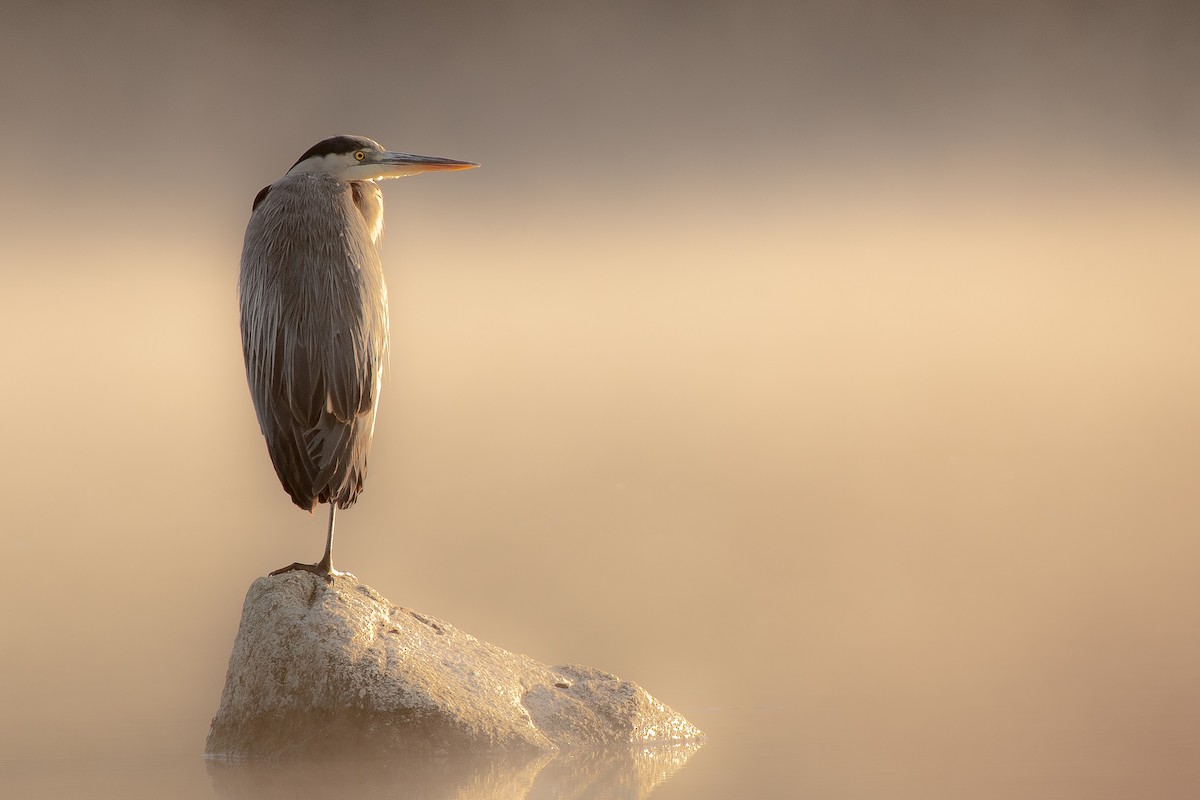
[360, 155]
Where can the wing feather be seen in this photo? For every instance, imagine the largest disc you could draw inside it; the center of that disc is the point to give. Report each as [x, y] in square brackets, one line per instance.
[314, 335]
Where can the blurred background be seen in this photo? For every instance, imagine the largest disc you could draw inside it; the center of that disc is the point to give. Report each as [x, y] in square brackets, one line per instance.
[837, 358]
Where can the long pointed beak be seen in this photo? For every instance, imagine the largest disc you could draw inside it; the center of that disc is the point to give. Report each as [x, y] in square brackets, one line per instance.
[400, 165]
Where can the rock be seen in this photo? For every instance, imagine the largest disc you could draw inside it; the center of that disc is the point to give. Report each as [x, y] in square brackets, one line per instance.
[338, 671]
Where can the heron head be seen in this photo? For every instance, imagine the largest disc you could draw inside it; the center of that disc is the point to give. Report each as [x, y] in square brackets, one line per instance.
[357, 158]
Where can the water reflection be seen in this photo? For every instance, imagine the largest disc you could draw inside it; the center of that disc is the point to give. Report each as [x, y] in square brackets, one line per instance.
[626, 774]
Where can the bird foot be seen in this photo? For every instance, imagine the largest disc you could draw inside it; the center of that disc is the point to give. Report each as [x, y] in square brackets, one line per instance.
[320, 568]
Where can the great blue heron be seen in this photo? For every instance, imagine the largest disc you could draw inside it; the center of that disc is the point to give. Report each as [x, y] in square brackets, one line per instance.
[314, 318]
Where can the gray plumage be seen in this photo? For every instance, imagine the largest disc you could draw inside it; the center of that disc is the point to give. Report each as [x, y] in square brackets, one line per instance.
[314, 316]
[314, 332]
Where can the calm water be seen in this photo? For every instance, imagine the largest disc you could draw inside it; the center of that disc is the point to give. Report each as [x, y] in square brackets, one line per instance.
[758, 752]
[891, 427]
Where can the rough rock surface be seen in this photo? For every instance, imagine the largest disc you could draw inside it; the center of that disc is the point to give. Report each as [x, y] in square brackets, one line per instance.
[338, 671]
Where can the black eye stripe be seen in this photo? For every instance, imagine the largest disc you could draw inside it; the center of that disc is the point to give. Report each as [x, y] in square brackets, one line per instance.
[339, 144]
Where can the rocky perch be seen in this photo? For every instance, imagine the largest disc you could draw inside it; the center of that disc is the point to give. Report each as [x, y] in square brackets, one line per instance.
[336, 671]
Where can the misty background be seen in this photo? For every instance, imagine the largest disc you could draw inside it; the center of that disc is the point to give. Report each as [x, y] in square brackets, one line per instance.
[836, 358]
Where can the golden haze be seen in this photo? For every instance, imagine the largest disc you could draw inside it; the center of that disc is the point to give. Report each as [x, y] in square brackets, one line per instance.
[857, 377]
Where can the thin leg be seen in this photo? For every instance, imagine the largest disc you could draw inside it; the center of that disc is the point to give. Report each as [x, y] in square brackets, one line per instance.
[326, 562]
[324, 567]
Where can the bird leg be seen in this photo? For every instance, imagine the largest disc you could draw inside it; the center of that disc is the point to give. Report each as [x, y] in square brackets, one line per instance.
[324, 567]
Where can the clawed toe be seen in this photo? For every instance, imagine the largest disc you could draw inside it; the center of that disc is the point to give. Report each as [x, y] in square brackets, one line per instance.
[322, 569]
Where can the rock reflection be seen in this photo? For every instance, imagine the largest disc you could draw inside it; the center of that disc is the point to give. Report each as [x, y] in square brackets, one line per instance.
[617, 774]
[608, 775]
